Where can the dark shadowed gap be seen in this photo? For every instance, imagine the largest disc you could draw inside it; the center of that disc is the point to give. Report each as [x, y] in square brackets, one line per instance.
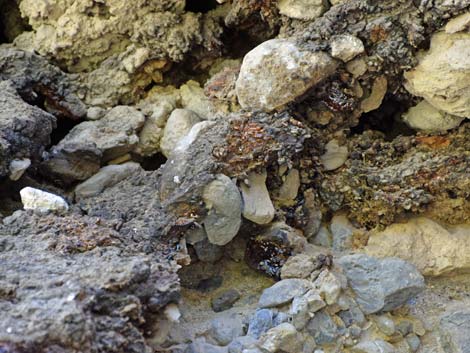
[202, 6]
[152, 163]
[63, 128]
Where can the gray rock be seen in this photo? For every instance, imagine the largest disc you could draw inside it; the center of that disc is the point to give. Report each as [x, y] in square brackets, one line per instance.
[299, 311]
[381, 284]
[42, 202]
[278, 71]
[377, 346]
[322, 328]
[224, 203]
[298, 266]
[106, 177]
[257, 204]
[240, 344]
[413, 342]
[342, 232]
[178, 125]
[225, 328]
[260, 322]
[454, 328]
[385, 324]
[284, 338]
[352, 316]
[283, 292]
[281, 317]
[225, 300]
[346, 47]
[201, 346]
[208, 252]
[18, 167]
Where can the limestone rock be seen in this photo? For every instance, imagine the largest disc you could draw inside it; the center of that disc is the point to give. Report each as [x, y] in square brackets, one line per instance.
[208, 252]
[225, 300]
[301, 9]
[224, 203]
[335, 155]
[381, 284]
[458, 23]
[298, 266]
[277, 71]
[377, 94]
[18, 167]
[442, 76]
[283, 337]
[283, 292]
[346, 47]
[178, 125]
[329, 287]
[106, 177]
[257, 204]
[377, 346]
[42, 202]
[433, 249]
[425, 117]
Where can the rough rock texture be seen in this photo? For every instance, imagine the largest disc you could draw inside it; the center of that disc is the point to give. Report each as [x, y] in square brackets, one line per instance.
[435, 250]
[383, 284]
[302, 10]
[24, 129]
[278, 71]
[443, 74]
[454, 327]
[42, 202]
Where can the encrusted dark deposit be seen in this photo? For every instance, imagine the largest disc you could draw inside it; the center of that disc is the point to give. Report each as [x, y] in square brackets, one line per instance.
[234, 176]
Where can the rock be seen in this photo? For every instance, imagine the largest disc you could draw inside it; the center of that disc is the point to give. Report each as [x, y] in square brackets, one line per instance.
[283, 292]
[346, 47]
[199, 345]
[454, 327]
[342, 233]
[42, 202]
[299, 312]
[240, 344]
[283, 337]
[195, 235]
[329, 287]
[260, 322]
[312, 210]
[18, 167]
[323, 238]
[352, 316]
[194, 99]
[302, 10]
[413, 342]
[95, 113]
[425, 117]
[298, 266]
[377, 346]
[458, 23]
[225, 300]
[106, 177]
[178, 125]
[172, 312]
[257, 205]
[208, 252]
[314, 300]
[278, 71]
[322, 328]
[335, 155]
[385, 324]
[381, 284]
[442, 76]
[224, 203]
[24, 129]
[357, 67]
[377, 94]
[290, 188]
[225, 328]
[433, 249]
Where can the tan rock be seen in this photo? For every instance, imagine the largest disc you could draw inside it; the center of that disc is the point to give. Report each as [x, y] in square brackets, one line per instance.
[425, 117]
[377, 94]
[301, 9]
[458, 23]
[433, 249]
[257, 205]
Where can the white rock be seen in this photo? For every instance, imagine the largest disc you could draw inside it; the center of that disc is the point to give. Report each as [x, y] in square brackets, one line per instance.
[442, 76]
[278, 71]
[178, 126]
[458, 23]
[328, 286]
[301, 9]
[346, 47]
[172, 312]
[224, 203]
[42, 202]
[18, 167]
[425, 117]
[335, 155]
[257, 205]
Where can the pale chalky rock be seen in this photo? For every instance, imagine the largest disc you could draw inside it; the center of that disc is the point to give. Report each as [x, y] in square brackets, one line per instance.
[278, 71]
[178, 126]
[257, 205]
[381, 284]
[376, 95]
[224, 205]
[18, 167]
[106, 177]
[42, 202]
[442, 76]
[335, 155]
[433, 249]
[282, 338]
[346, 47]
[301, 9]
[458, 23]
[425, 117]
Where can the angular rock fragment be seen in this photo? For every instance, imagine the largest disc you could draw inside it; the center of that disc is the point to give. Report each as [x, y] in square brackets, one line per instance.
[283, 292]
[381, 284]
[377, 346]
[178, 125]
[283, 337]
[18, 167]
[425, 117]
[454, 326]
[279, 71]
[257, 204]
[335, 155]
[301, 9]
[224, 203]
[346, 47]
[42, 202]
